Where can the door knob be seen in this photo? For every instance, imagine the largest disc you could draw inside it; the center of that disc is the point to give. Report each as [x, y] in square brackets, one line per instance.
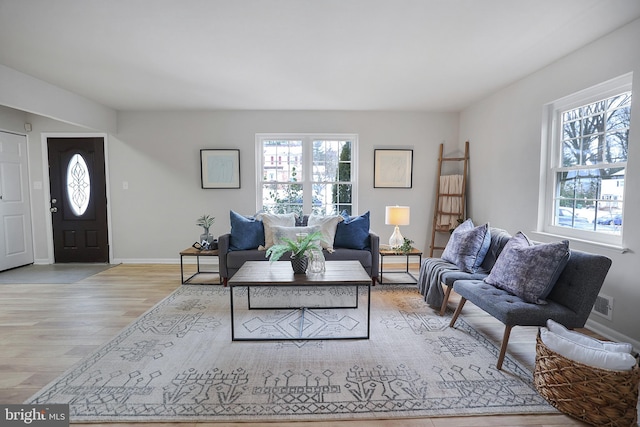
[54, 209]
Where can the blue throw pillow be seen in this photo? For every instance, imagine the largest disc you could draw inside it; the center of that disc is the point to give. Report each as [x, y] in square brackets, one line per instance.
[353, 232]
[246, 232]
[467, 246]
[527, 270]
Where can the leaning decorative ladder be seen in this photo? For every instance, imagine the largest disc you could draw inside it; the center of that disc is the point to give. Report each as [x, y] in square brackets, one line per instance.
[449, 207]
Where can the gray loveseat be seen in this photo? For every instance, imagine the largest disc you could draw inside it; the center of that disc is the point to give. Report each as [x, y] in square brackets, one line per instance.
[569, 303]
[436, 272]
[231, 260]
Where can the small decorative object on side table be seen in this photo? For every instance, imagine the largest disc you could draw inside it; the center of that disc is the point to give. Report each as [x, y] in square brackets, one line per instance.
[405, 250]
[206, 239]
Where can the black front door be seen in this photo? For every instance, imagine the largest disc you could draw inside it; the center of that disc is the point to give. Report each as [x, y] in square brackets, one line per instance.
[78, 199]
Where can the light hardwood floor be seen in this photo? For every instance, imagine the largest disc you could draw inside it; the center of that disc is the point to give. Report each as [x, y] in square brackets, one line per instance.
[47, 328]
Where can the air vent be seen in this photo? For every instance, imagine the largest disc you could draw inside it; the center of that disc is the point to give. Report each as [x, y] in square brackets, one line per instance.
[603, 306]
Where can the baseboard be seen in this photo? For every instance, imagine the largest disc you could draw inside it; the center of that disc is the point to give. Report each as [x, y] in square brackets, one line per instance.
[611, 334]
[188, 260]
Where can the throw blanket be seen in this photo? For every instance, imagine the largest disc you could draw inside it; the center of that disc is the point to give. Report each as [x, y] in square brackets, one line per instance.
[430, 278]
[450, 185]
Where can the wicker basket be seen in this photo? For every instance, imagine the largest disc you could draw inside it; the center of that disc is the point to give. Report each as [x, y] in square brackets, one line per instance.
[596, 396]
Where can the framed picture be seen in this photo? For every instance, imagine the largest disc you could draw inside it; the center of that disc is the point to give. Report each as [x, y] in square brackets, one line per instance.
[392, 168]
[220, 168]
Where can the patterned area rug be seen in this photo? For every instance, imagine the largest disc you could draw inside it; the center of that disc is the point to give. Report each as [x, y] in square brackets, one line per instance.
[177, 363]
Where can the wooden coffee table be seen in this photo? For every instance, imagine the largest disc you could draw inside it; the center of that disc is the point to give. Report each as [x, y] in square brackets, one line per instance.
[280, 274]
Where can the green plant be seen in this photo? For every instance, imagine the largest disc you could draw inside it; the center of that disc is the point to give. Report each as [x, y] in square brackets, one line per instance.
[205, 221]
[406, 246]
[297, 248]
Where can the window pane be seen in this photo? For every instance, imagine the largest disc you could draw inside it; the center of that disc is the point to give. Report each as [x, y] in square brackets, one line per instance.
[571, 152]
[587, 199]
[571, 129]
[78, 184]
[282, 161]
[282, 198]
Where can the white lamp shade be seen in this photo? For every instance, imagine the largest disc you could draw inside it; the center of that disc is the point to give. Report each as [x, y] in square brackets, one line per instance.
[397, 215]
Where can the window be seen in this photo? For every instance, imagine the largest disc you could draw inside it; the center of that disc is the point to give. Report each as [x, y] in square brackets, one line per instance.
[306, 173]
[78, 184]
[588, 140]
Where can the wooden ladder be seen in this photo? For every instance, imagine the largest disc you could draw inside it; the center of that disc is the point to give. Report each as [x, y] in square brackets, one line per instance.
[438, 210]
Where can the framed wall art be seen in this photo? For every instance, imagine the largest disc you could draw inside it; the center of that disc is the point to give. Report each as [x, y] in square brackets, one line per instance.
[220, 168]
[392, 168]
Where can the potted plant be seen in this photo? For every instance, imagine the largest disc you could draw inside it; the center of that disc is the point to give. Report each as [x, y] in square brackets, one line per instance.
[299, 249]
[406, 246]
[206, 221]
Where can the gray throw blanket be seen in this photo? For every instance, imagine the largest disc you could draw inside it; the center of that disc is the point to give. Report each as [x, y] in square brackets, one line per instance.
[430, 278]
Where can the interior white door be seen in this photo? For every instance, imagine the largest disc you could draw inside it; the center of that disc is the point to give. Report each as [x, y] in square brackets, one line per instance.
[16, 241]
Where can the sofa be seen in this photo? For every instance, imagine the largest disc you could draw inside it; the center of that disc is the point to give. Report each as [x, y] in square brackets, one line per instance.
[345, 237]
[437, 274]
[569, 302]
[526, 284]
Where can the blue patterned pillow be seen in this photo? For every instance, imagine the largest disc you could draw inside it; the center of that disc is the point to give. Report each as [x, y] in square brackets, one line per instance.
[353, 232]
[467, 246]
[246, 232]
[527, 270]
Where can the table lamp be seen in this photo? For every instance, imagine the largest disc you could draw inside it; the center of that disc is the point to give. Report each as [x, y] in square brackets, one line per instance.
[397, 215]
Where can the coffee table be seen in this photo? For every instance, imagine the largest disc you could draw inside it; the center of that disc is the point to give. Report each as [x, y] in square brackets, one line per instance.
[255, 274]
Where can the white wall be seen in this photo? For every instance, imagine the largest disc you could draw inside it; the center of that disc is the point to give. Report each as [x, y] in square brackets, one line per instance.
[157, 155]
[505, 132]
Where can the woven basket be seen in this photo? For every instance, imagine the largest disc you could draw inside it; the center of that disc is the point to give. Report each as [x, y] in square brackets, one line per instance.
[600, 397]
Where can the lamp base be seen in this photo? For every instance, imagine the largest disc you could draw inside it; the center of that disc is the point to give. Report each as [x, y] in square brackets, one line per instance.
[396, 240]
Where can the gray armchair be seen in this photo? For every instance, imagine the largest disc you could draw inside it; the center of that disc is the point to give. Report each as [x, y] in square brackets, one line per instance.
[569, 303]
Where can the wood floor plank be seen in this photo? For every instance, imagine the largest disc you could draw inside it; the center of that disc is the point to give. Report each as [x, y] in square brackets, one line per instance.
[45, 329]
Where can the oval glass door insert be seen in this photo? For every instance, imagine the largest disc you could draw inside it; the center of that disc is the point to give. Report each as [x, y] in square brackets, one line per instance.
[78, 184]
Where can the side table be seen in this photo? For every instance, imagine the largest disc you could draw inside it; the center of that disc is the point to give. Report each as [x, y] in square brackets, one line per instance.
[390, 252]
[193, 252]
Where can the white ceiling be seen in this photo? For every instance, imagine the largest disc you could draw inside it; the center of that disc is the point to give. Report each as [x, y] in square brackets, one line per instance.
[425, 55]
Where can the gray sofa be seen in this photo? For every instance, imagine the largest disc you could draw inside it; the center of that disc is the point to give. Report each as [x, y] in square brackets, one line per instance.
[569, 303]
[231, 261]
[436, 272]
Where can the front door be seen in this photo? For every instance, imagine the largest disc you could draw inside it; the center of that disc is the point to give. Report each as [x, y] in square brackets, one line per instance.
[78, 199]
[16, 241]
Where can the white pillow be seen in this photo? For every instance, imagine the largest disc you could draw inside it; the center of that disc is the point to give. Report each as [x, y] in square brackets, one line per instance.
[279, 232]
[271, 220]
[328, 225]
[557, 328]
[597, 358]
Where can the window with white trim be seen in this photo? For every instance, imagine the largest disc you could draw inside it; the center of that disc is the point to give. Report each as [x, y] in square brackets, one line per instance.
[588, 140]
[308, 173]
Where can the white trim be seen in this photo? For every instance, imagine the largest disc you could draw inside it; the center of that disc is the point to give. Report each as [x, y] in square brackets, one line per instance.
[550, 158]
[188, 260]
[47, 186]
[307, 171]
[609, 333]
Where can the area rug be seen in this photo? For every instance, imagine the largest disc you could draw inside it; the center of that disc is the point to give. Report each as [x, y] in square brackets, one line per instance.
[177, 363]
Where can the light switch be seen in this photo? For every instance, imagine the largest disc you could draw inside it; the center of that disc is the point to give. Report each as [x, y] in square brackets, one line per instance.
[125, 185]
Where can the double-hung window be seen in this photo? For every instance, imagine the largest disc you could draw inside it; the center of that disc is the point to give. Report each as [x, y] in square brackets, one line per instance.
[308, 173]
[588, 140]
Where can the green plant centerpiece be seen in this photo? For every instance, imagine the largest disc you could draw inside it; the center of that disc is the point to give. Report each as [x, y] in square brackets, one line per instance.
[300, 250]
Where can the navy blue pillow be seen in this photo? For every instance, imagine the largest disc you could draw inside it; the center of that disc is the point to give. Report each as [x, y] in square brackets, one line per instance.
[353, 232]
[246, 232]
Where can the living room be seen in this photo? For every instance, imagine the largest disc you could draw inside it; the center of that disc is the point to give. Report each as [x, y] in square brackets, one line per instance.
[153, 162]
